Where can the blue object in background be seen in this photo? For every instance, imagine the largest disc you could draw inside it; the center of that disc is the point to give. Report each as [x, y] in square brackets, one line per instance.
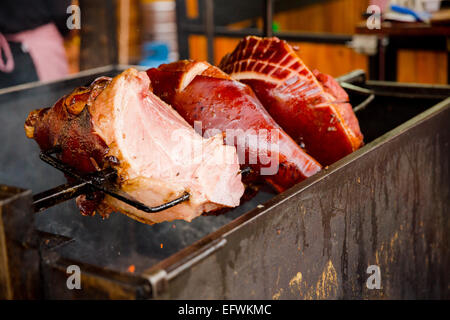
[154, 53]
[419, 16]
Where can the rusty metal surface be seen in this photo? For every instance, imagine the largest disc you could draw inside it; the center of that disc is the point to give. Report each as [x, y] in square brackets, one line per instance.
[386, 204]
[108, 244]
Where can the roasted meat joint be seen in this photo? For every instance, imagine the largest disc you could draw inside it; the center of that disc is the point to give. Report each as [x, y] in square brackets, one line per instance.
[205, 95]
[119, 123]
[311, 107]
[190, 129]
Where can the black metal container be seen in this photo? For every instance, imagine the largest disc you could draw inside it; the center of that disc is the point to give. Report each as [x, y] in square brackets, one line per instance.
[385, 205]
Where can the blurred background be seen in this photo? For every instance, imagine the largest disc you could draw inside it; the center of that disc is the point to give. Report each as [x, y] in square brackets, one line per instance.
[405, 41]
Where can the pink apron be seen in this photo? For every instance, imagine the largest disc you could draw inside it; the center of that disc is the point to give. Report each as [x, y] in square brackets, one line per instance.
[46, 47]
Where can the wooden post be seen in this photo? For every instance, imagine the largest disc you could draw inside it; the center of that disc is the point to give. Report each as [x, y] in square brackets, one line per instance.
[98, 33]
[19, 257]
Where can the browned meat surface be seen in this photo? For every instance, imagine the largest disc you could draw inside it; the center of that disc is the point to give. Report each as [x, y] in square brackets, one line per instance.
[120, 123]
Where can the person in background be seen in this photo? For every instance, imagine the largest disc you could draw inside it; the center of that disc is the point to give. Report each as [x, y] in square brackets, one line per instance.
[31, 40]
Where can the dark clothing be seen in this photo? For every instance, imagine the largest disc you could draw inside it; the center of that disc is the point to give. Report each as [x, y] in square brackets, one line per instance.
[21, 15]
[18, 20]
[24, 70]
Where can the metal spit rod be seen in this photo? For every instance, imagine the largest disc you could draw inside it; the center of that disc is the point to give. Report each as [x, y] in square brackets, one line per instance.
[84, 184]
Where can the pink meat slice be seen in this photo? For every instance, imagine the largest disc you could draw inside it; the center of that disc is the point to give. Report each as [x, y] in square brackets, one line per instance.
[161, 155]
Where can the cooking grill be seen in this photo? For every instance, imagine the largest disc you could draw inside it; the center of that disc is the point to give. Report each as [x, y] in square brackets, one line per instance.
[385, 204]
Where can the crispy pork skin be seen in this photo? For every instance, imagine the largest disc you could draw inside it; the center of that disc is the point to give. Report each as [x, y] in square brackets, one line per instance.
[120, 123]
[313, 110]
[207, 97]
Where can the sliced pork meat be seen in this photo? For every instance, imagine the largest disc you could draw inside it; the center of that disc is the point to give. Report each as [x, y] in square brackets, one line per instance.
[313, 110]
[158, 157]
[212, 102]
